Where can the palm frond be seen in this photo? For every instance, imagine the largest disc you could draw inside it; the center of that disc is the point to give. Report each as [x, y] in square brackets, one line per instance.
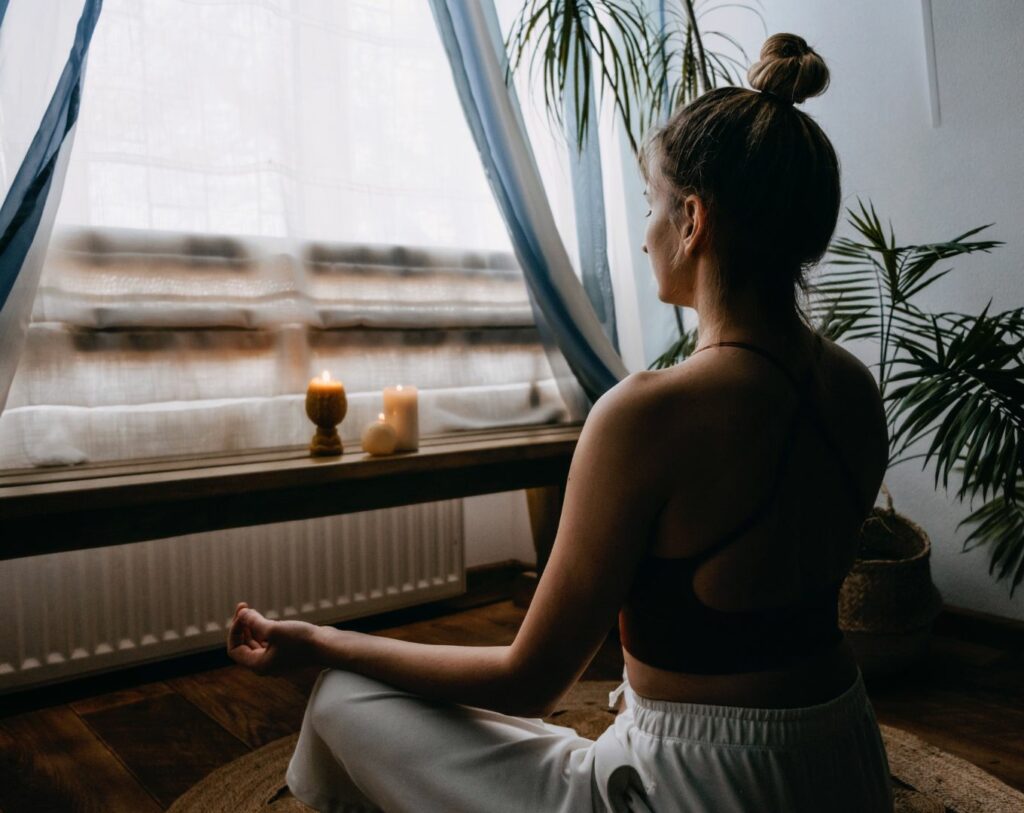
[999, 525]
[972, 385]
[580, 42]
[952, 383]
[615, 45]
[678, 351]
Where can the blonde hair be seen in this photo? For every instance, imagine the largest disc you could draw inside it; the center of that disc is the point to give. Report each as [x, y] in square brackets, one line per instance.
[766, 172]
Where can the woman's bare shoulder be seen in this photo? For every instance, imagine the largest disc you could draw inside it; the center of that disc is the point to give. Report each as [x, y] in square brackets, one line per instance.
[627, 417]
[849, 367]
[855, 400]
[660, 412]
[851, 382]
[658, 394]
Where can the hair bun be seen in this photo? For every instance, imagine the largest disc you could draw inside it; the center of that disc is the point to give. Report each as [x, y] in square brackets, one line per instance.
[789, 69]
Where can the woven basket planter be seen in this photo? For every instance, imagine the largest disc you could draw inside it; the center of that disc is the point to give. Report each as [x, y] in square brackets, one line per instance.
[888, 601]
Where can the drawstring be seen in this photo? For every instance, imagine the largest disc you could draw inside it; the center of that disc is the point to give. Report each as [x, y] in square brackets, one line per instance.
[616, 694]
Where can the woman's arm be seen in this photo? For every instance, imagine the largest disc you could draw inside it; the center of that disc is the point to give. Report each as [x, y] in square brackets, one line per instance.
[616, 487]
[465, 674]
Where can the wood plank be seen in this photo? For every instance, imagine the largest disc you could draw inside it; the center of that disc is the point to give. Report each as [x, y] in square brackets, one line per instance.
[966, 697]
[984, 733]
[50, 761]
[984, 672]
[121, 468]
[982, 628]
[255, 709]
[292, 457]
[165, 741]
[19, 498]
[48, 517]
[121, 697]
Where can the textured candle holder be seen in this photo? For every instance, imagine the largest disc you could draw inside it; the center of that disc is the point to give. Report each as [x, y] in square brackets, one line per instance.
[326, 410]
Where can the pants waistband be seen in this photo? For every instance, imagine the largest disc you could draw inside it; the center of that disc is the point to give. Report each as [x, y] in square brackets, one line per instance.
[737, 725]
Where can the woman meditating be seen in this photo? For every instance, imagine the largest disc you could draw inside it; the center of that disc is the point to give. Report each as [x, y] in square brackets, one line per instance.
[712, 507]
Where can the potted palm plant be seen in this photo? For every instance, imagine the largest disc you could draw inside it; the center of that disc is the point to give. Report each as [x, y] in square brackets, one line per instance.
[953, 388]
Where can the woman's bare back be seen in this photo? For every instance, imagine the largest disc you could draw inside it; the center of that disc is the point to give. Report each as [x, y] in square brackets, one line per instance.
[728, 446]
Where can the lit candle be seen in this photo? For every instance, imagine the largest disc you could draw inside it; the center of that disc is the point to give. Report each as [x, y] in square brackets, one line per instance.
[326, 405]
[401, 408]
[379, 437]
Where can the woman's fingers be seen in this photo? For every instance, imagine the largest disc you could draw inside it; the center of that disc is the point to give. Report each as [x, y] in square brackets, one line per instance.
[257, 624]
[248, 637]
[236, 634]
[246, 657]
[248, 628]
[234, 631]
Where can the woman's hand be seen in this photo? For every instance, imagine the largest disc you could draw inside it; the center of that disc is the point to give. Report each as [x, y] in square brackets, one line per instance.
[269, 647]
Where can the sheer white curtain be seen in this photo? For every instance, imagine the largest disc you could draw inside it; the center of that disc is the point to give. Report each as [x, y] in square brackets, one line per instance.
[260, 190]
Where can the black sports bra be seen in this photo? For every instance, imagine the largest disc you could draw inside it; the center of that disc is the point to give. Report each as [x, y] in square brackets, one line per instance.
[662, 622]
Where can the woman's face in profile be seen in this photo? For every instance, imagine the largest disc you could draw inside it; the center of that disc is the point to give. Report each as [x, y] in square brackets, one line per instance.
[662, 244]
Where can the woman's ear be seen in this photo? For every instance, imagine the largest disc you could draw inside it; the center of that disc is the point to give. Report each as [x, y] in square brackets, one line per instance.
[692, 224]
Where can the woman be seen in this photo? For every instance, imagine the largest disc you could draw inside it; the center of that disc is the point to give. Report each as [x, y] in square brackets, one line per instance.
[713, 507]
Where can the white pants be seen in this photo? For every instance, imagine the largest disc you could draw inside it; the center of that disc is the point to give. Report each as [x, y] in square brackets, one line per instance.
[367, 746]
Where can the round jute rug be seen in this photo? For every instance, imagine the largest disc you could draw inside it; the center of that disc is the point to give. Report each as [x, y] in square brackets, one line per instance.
[925, 779]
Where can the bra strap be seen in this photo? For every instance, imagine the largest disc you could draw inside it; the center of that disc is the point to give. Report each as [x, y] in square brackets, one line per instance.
[851, 479]
[826, 594]
[766, 502]
[765, 354]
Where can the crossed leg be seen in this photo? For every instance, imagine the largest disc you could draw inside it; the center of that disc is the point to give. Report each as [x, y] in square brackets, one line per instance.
[367, 746]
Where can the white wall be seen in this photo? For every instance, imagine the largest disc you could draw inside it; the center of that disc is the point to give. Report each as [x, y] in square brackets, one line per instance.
[932, 182]
[498, 529]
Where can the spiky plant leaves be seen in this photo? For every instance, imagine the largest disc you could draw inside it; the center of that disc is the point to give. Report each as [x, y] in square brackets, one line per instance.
[975, 382]
[606, 40]
[865, 290]
[679, 350]
[616, 44]
[952, 380]
[999, 525]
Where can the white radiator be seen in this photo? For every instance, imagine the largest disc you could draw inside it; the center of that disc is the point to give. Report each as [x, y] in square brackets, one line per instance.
[66, 614]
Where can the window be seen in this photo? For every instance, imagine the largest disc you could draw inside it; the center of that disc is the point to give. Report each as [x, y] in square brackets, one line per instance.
[259, 191]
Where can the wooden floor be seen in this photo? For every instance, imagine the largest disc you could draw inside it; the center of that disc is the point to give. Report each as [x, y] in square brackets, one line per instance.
[139, 747]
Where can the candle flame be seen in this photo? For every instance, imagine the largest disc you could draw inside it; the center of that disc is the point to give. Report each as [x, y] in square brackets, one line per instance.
[325, 376]
[380, 417]
[399, 388]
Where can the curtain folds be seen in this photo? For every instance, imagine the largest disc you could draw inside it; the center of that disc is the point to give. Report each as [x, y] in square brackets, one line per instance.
[26, 216]
[564, 313]
[260, 191]
[588, 199]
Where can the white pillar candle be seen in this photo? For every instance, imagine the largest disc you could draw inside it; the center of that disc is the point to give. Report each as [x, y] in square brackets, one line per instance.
[379, 438]
[401, 410]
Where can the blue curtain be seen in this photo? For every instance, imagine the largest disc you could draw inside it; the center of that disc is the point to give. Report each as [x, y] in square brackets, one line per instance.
[588, 202]
[23, 207]
[564, 313]
[22, 210]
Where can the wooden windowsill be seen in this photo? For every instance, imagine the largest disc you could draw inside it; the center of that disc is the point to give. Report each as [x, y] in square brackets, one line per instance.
[71, 508]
